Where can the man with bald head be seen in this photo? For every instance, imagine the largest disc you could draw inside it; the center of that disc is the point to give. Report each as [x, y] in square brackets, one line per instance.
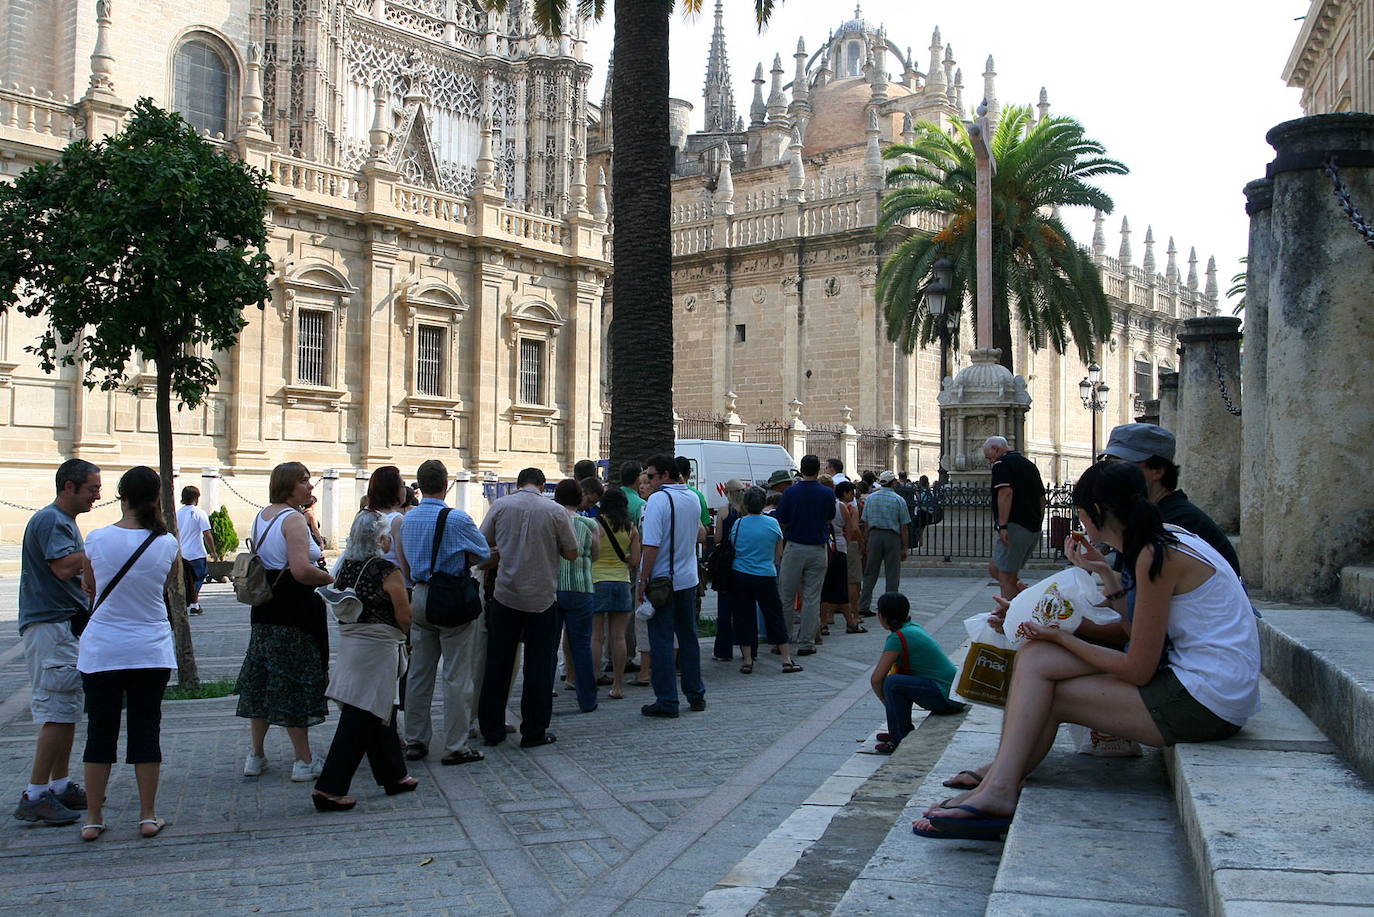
[1018, 509]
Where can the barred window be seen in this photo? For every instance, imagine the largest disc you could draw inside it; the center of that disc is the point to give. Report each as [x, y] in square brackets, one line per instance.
[531, 371]
[1144, 380]
[201, 87]
[429, 370]
[312, 340]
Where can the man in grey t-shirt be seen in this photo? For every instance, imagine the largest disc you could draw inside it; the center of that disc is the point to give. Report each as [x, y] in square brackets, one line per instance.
[51, 593]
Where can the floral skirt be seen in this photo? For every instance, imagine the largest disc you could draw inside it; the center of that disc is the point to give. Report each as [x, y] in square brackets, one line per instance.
[283, 677]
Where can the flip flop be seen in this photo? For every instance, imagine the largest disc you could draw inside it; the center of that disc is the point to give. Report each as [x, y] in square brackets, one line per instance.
[613, 696]
[955, 832]
[98, 829]
[791, 667]
[747, 669]
[954, 784]
[157, 823]
[641, 684]
[980, 819]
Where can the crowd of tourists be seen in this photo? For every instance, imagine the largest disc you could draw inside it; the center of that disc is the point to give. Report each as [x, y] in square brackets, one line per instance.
[608, 580]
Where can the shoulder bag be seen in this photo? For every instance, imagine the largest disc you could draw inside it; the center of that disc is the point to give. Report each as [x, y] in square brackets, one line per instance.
[721, 565]
[659, 590]
[452, 599]
[251, 586]
[345, 603]
[615, 545]
[81, 619]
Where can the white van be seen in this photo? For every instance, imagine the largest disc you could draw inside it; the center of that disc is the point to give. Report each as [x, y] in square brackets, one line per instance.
[715, 461]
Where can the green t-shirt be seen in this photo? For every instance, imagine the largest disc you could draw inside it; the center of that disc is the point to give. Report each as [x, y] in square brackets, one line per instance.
[705, 509]
[636, 504]
[925, 658]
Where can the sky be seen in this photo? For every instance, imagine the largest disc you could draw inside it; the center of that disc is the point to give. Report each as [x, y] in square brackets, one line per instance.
[1181, 92]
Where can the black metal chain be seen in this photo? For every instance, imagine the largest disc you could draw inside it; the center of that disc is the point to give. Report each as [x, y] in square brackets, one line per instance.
[1221, 381]
[1343, 197]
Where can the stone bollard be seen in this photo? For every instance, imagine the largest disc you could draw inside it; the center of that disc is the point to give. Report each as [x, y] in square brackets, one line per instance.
[1209, 415]
[209, 488]
[1318, 385]
[331, 507]
[1255, 458]
[1168, 401]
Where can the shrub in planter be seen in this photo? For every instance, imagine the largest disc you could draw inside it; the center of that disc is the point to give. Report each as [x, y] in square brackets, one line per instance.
[222, 530]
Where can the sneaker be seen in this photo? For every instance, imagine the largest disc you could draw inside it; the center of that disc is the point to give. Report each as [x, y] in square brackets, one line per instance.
[46, 809]
[195, 609]
[656, 710]
[302, 771]
[696, 704]
[73, 797]
[254, 765]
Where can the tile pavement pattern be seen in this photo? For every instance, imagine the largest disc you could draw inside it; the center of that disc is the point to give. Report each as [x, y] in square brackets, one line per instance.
[623, 815]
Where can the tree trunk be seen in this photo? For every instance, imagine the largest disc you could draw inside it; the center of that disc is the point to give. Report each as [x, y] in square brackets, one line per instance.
[187, 675]
[641, 332]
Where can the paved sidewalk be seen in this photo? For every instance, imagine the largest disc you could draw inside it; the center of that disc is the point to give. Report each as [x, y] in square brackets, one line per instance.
[622, 816]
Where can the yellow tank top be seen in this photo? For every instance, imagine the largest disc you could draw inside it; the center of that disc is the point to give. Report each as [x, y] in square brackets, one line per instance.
[608, 567]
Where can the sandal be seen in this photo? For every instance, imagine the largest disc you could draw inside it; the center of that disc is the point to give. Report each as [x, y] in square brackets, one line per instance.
[641, 684]
[790, 667]
[954, 783]
[614, 696]
[747, 669]
[157, 824]
[462, 756]
[605, 680]
[405, 785]
[885, 748]
[98, 829]
[856, 629]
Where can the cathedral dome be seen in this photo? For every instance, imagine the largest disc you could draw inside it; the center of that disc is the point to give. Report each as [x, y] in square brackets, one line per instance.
[840, 113]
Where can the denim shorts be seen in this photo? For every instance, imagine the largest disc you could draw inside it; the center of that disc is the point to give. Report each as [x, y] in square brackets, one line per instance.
[612, 596]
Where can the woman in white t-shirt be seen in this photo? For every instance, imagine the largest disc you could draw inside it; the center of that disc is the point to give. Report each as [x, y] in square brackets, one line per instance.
[126, 653]
[1189, 674]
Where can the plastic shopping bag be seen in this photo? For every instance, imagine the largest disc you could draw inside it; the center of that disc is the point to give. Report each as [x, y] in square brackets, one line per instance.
[1091, 742]
[645, 611]
[984, 674]
[1061, 600]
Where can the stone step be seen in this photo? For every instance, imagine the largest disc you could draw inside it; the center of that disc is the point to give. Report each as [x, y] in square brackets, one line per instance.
[1323, 660]
[1357, 589]
[1093, 836]
[1276, 821]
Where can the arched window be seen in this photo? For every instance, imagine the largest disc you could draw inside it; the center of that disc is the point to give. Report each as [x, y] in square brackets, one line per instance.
[201, 86]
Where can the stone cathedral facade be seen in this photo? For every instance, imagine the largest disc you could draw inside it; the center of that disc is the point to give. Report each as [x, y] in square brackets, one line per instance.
[438, 271]
[775, 259]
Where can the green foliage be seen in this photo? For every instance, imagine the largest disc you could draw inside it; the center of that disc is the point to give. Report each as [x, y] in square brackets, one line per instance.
[217, 687]
[1053, 284]
[1237, 288]
[149, 243]
[223, 531]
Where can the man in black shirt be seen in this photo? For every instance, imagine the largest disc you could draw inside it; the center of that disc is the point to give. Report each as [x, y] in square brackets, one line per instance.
[1151, 448]
[1018, 508]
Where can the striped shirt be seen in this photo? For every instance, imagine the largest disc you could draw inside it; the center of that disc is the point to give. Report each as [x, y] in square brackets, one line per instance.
[885, 509]
[576, 575]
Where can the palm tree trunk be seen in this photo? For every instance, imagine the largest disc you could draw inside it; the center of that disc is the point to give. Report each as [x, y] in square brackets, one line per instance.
[187, 675]
[641, 332]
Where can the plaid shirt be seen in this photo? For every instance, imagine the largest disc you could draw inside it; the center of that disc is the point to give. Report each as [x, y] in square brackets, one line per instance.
[885, 509]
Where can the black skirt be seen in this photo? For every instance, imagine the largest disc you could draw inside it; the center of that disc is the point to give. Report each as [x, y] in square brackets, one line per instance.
[835, 588]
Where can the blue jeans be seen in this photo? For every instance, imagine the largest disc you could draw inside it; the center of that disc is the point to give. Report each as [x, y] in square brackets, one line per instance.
[901, 691]
[678, 619]
[576, 609]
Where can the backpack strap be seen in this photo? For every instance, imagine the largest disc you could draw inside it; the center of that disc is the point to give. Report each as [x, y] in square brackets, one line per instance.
[903, 664]
[114, 581]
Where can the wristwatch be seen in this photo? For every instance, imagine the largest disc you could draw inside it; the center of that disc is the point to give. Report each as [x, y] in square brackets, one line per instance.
[1001, 528]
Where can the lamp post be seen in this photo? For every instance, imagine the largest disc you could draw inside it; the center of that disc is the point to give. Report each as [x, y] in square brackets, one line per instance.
[1093, 392]
[936, 291]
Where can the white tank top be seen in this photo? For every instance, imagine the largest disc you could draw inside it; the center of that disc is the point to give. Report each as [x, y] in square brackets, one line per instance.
[1214, 638]
[388, 519]
[272, 547]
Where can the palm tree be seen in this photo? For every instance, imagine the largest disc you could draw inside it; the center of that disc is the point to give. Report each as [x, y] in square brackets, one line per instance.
[641, 333]
[1036, 266]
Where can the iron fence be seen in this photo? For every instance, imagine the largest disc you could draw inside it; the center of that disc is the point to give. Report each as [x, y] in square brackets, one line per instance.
[823, 440]
[495, 490]
[766, 431]
[873, 449]
[701, 425]
[967, 527]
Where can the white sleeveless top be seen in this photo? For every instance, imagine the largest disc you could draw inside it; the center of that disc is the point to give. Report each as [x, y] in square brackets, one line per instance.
[388, 519]
[272, 548]
[1214, 638]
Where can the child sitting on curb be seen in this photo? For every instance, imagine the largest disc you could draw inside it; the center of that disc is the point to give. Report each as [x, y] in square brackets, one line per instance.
[912, 670]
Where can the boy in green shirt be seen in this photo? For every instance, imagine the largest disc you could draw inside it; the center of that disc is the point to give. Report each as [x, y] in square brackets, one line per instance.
[912, 670]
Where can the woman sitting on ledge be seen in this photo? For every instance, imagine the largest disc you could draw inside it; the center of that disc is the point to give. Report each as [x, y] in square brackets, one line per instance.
[1190, 610]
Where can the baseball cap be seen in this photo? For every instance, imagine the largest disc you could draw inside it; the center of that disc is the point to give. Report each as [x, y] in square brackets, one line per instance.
[1136, 442]
[887, 477]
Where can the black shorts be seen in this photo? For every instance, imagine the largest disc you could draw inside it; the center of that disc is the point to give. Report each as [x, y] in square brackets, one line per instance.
[1180, 716]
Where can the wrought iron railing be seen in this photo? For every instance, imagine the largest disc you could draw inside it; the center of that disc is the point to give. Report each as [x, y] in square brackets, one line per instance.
[701, 425]
[967, 527]
[766, 431]
[873, 449]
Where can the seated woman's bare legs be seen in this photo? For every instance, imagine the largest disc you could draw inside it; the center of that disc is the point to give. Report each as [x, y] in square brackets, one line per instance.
[1049, 686]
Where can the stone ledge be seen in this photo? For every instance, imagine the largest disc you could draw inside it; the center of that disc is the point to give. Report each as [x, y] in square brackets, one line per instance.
[1323, 660]
[1260, 843]
[1357, 589]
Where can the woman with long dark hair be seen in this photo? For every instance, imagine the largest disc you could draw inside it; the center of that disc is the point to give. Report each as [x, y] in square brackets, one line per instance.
[1189, 674]
[286, 668]
[127, 655]
[618, 554]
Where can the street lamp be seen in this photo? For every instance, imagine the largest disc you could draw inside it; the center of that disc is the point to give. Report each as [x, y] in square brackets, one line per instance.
[1093, 392]
[936, 292]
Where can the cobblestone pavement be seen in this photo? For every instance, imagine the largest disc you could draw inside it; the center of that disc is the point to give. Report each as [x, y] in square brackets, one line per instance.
[623, 815]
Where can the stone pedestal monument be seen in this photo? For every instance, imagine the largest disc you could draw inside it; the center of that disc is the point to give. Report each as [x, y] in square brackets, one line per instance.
[1209, 432]
[983, 400]
[1317, 388]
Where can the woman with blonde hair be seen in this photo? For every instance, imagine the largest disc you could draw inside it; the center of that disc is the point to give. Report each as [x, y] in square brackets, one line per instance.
[364, 679]
[284, 672]
[126, 655]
